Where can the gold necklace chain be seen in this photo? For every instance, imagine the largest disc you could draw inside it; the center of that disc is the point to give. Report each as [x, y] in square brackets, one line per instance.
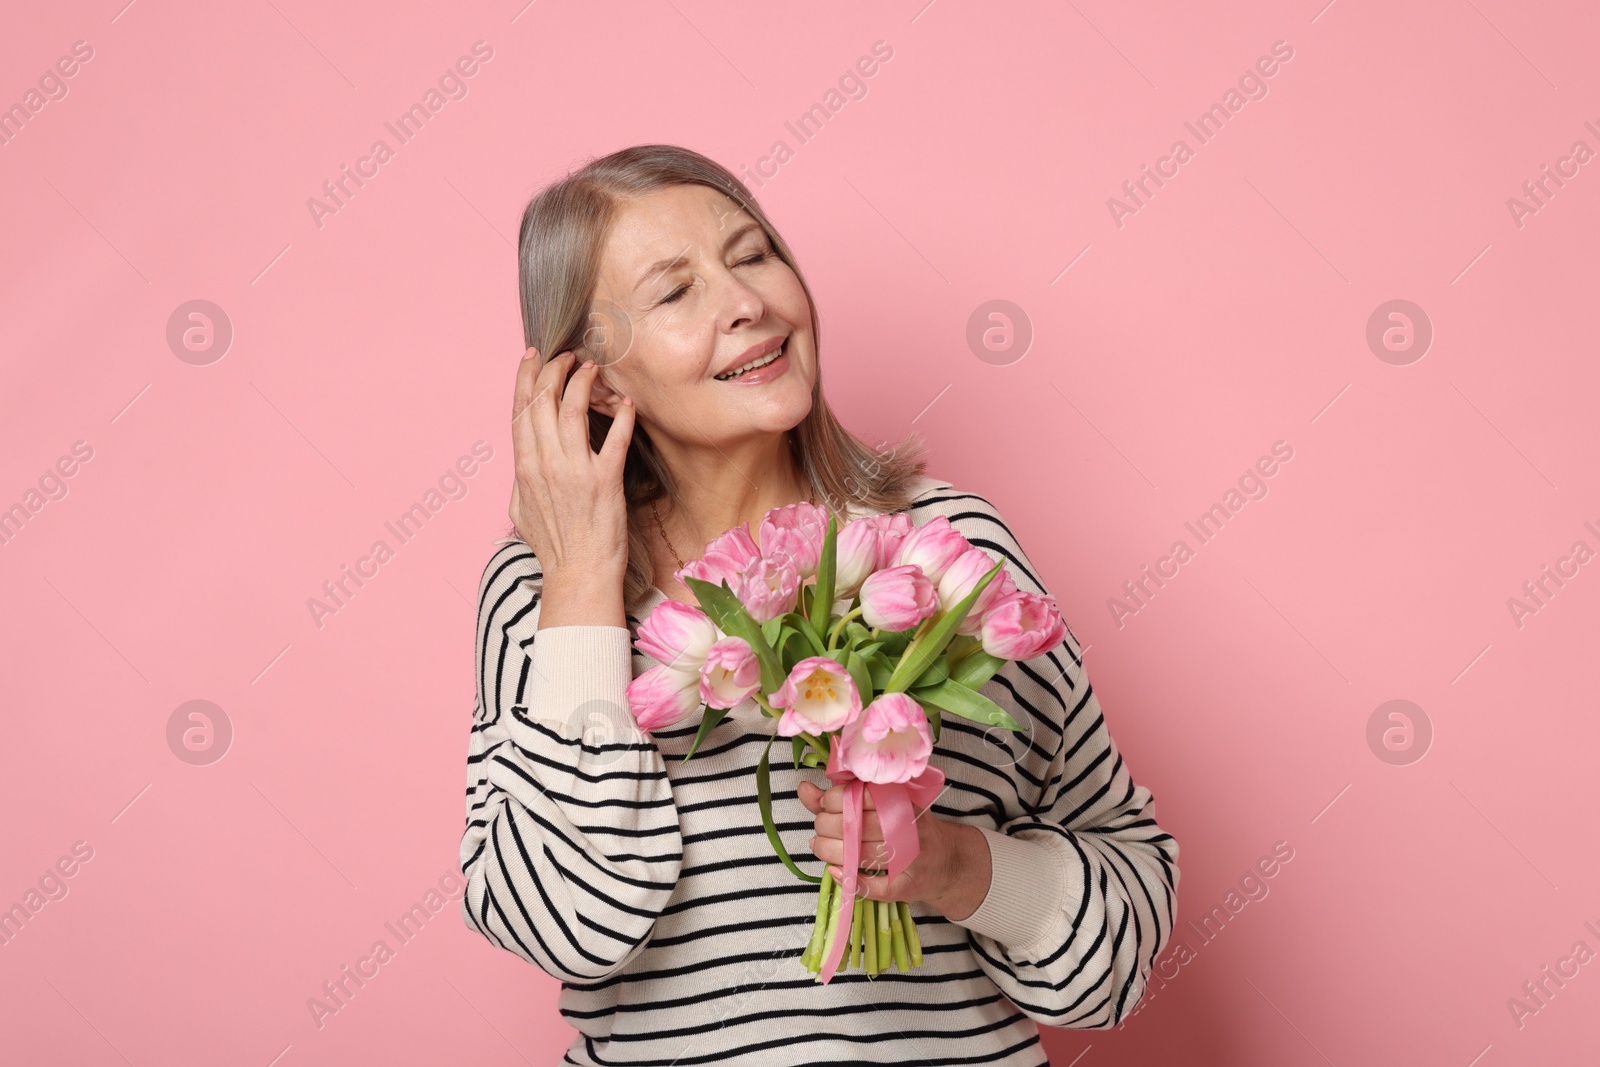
[811, 498]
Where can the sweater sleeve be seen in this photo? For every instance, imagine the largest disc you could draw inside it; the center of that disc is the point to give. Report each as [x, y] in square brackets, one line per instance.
[1083, 892]
[572, 845]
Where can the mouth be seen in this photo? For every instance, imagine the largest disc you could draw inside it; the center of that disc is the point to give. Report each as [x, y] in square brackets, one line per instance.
[755, 370]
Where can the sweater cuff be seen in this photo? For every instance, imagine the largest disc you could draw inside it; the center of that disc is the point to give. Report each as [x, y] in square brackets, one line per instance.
[574, 666]
[1028, 891]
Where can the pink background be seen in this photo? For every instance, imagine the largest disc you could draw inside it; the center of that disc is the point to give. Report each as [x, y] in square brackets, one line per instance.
[1168, 353]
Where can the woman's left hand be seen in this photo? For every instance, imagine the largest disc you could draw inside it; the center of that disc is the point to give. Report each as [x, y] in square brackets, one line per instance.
[944, 874]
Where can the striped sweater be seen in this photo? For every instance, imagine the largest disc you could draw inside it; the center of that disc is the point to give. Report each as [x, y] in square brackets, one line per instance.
[646, 884]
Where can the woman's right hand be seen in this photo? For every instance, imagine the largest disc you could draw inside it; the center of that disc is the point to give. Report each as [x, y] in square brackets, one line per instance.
[567, 501]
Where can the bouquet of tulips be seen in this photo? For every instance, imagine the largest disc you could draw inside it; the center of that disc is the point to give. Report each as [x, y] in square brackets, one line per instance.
[927, 619]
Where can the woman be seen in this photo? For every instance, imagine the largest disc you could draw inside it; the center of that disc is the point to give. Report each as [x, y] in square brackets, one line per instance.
[1044, 888]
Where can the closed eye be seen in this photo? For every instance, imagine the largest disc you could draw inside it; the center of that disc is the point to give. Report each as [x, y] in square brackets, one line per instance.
[747, 261]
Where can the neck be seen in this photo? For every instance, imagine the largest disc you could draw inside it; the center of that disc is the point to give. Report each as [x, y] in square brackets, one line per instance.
[721, 488]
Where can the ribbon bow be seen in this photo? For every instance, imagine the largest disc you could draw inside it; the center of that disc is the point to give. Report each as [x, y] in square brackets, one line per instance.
[893, 801]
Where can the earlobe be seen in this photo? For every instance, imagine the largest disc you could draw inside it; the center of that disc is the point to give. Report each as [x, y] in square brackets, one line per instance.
[603, 399]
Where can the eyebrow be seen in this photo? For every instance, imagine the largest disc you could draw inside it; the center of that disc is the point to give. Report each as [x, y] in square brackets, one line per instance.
[661, 265]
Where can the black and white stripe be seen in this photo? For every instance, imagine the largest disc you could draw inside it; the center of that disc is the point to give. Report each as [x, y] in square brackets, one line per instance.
[647, 886]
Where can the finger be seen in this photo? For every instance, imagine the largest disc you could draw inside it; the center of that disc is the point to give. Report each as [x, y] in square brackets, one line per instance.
[574, 411]
[809, 794]
[833, 799]
[524, 436]
[831, 850]
[828, 849]
[831, 825]
[545, 406]
[615, 447]
[868, 886]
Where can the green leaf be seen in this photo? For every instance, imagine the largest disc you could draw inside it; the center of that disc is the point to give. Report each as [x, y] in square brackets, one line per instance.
[769, 630]
[708, 722]
[895, 642]
[724, 609]
[937, 672]
[822, 595]
[881, 670]
[791, 636]
[975, 668]
[764, 802]
[797, 622]
[862, 675]
[799, 746]
[957, 699]
[929, 645]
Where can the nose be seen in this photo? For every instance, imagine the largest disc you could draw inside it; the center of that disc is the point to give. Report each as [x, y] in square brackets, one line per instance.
[741, 305]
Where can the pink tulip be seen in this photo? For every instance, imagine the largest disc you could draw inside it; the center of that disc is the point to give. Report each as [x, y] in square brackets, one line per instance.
[677, 635]
[726, 557]
[818, 696]
[857, 553]
[890, 742]
[768, 587]
[933, 546]
[730, 674]
[893, 530]
[963, 576]
[797, 529]
[663, 697]
[1022, 626]
[898, 598]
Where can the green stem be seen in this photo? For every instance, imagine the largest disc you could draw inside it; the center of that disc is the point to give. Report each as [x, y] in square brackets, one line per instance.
[819, 745]
[897, 939]
[869, 924]
[885, 934]
[809, 957]
[855, 935]
[833, 634]
[913, 942]
[833, 932]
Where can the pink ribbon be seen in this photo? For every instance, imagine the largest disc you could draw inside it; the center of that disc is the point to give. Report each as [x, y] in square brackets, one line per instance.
[893, 801]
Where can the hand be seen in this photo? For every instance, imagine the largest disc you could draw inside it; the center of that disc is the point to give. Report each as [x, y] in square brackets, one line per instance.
[951, 868]
[567, 501]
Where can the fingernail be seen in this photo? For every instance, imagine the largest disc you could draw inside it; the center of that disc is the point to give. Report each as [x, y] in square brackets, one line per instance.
[588, 363]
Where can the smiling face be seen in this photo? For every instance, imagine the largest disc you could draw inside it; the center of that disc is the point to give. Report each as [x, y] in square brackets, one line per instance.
[689, 290]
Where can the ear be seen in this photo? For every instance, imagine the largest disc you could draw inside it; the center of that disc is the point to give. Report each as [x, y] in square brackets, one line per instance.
[602, 397]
